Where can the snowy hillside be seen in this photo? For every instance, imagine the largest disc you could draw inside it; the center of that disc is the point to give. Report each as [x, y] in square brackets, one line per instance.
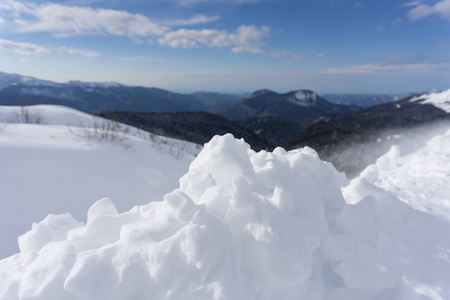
[438, 99]
[243, 225]
[51, 168]
[421, 178]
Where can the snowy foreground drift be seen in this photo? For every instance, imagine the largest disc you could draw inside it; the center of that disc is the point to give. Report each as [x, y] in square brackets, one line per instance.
[60, 166]
[242, 225]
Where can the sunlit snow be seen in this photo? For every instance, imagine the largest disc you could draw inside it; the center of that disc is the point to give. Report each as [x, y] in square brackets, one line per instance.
[55, 167]
[438, 99]
[246, 225]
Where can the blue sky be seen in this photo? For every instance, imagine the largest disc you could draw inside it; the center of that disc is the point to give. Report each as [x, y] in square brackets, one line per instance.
[330, 46]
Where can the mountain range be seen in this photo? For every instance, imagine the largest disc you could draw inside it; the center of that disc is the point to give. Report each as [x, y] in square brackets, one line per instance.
[92, 97]
[300, 103]
[265, 119]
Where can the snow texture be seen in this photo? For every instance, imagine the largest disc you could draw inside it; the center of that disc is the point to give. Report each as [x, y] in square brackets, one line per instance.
[439, 99]
[54, 168]
[242, 225]
[421, 178]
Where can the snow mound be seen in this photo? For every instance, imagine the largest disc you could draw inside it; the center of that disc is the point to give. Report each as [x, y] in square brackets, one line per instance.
[242, 225]
[439, 99]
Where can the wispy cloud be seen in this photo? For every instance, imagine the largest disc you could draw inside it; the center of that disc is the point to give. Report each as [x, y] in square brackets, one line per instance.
[245, 39]
[411, 4]
[193, 2]
[420, 10]
[372, 69]
[22, 48]
[64, 21]
[143, 58]
[397, 21]
[380, 28]
[195, 20]
[82, 52]
[319, 55]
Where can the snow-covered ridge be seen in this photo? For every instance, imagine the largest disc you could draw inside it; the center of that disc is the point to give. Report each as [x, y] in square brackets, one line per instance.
[438, 99]
[16, 79]
[241, 225]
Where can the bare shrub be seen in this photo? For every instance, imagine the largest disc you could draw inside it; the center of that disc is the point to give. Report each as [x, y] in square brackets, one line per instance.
[28, 115]
[103, 130]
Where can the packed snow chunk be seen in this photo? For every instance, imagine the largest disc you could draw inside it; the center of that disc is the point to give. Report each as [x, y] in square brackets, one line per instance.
[44, 277]
[102, 207]
[230, 158]
[103, 225]
[52, 229]
[242, 225]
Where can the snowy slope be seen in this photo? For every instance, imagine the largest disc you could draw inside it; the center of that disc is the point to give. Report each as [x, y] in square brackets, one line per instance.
[242, 225]
[438, 99]
[52, 168]
[421, 178]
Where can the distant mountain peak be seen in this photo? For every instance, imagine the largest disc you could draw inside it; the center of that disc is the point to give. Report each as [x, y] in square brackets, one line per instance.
[260, 93]
[434, 91]
[106, 84]
[303, 98]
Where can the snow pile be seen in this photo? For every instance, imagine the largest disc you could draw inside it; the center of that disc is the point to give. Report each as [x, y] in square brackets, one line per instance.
[439, 99]
[242, 225]
[50, 168]
[420, 178]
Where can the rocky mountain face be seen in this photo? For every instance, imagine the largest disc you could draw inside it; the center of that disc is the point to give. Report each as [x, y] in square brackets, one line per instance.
[300, 103]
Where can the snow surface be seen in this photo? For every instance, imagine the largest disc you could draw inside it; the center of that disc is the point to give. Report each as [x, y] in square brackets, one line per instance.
[54, 168]
[242, 225]
[438, 99]
[421, 178]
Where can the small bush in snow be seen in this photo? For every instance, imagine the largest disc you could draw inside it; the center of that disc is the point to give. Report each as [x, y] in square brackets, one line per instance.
[103, 130]
[27, 114]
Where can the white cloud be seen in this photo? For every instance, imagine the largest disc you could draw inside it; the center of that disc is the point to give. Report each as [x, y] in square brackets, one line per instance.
[64, 20]
[22, 48]
[411, 4]
[245, 39]
[441, 8]
[198, 19]
[319, 55]
[83, 52]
